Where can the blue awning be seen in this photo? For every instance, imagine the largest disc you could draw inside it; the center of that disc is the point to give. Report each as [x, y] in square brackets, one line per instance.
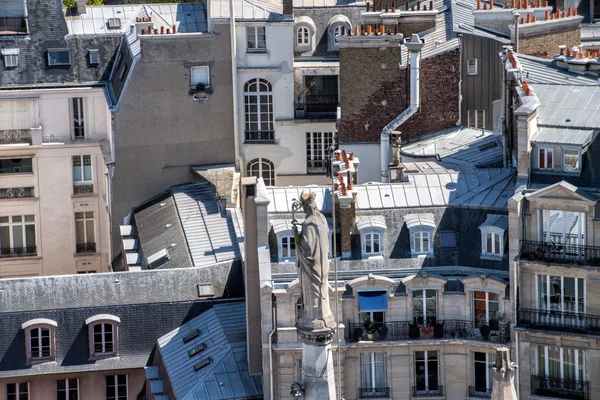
[372, 301]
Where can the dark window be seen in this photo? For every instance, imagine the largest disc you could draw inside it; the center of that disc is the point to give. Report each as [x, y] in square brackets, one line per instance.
[448, 239]
[39, 342]
[16, 166]
[256, 38]
[59, 57]
[17, 391]
[426, 374]
[94, 57]
[103, 338]
[116, 387]
[67, 389]
[123, 72]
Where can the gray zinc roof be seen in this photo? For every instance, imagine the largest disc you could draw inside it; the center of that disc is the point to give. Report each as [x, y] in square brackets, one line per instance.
[223, 336]
[270, 10]
[577, 137]
[539, 70]
[576, 107]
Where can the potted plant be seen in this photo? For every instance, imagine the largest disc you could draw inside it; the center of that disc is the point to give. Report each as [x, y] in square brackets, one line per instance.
[370, 329]
[414, 332]
[484, 329]
[382, 331]
[300, 91]
[357, 334]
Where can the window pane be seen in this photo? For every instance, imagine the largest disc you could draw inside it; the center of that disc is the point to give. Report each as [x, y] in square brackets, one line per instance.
[496, 243]
[571, 160]
[542, 158]
[30, 235]
[79, 232]
[375, 243]
[87, 168]
[550, 162]
[90, 231]
[77, 169]
[489, 244]
[425, 242]
[17, 232]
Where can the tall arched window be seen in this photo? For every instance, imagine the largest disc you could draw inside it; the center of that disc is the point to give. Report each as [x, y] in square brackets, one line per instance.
[262, 168]
[258, 105]
[302, 36]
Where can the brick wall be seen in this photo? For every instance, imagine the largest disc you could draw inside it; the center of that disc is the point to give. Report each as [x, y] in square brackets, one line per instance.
[546, 45]
[373, 91]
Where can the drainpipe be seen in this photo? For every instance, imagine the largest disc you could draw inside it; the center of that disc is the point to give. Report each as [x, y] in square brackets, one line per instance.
[414, 47]
[236, 139]
[516, 16]
[460, 72]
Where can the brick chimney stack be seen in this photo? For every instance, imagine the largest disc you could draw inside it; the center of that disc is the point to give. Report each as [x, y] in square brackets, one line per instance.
[288, 8]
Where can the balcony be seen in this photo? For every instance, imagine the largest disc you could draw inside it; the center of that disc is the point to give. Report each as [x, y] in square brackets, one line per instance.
[17, 193]
[259, 137]
[25, 136]
[374, 393]
[449, 329]
[321, 107]
[86, 248]
[569, 321]
[560, 253]
[12, 252]
[428, 392]
[83, 189]
[559, 388]
[13, 26]
[480, 392]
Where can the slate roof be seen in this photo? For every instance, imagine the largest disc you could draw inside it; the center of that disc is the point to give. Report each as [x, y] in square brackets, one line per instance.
[48, 30]
[141, 325]
[539, 70]
[223, 334]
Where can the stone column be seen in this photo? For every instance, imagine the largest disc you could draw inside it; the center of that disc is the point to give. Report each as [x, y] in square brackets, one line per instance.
[504, 376]
[318, 377]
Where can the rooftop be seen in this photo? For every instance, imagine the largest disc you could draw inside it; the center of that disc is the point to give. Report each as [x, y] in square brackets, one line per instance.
[543, 71]
[270, 10]
[574, 107]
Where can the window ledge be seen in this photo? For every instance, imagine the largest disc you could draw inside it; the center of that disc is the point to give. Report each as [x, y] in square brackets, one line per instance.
[492, 257]
[94, 254]
[195, 91]
[82, 195]
[40, 360]
[257, 51]
[428, 397]
[23, 257]
[255, 142]
[287, 260]
[372, 257]
[102, 356]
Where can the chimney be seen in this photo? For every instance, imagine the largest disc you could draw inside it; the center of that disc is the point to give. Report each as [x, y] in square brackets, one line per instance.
[396, 167]
[81, 6]
[346, 211]
[288, 8]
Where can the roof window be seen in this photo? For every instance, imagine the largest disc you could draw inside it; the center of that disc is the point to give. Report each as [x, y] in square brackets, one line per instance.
[94, 57]
[59, 57]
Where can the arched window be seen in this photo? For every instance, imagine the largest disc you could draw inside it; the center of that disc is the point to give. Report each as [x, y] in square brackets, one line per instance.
[103, 334]
[302, 36]
[258, 109]
[40, 344]
[262, 168]
[337, 32]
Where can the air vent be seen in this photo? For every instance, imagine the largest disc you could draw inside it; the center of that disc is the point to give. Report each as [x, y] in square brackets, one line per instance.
[157, 259]
[488, 146]
[191, 335]
[196, 350]
[114, 23]
[202, 364]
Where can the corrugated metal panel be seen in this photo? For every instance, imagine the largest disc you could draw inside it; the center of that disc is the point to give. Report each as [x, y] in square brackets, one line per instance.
[562, 106]
[245, 9]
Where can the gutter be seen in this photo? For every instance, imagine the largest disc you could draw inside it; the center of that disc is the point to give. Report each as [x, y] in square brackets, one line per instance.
[234, 82]
[414, 47]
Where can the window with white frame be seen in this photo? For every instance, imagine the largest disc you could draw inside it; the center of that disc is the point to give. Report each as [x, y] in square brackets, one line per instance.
[262, 168]
[40, 342]
[560, 294]
[67, 389]
[427, 379]
[82, 169]
[372, 244]
[424, 303]
[493, 243]
[561, 367]
[78, 120]
[302, 36]
[200, 77]
[17, 391]
[373, 375]
[94, 57]
[85, 234]
[116, 387]
[256, 39]
[485, 307]
[482, 375]
[337, 32]
[476, 119]
[545, 158]
[472, 64]
[571, 160]
[104, 338]
[17, 236]
[493, 236]
[317, 146]
[11, 61]
[562, 228]
[258, 110]
[421, 242]
[288, 248]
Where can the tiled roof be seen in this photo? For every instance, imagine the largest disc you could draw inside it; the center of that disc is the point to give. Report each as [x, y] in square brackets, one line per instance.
[223, 337]
[270, 10]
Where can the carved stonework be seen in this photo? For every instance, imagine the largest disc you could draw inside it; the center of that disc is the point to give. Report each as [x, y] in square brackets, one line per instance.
[83, 189]
[15, 136]
[575, 343]
[541, 340]
[15, 193]
[317, 338]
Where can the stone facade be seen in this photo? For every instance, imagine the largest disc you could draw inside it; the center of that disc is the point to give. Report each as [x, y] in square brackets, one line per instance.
[368, 105]
[546, 45]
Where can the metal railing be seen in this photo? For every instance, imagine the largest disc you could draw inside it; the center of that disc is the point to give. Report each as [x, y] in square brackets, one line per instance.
[7, 252]
[559, 388]
[259, 136]
[475, 391]
[15, 135]
[16, 193]
[83, 248]
[569, 321]
[428, 392]
[83, 188]
[13, 26]
[374, 393]
[306, 110]
[448, 329]
[560, 253]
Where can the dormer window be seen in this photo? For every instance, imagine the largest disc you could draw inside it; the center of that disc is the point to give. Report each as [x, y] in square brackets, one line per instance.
[59, 57]
[546, 158]
[39, 334]
[286, 242]
[571, 160]
[302, 36]
[305, 34]
[559, 151]
[94, 57]
[421, 228]
[372, 229]
[288, 248]
[11, 58]
[492, 236]
[336, 27]
[103, 334]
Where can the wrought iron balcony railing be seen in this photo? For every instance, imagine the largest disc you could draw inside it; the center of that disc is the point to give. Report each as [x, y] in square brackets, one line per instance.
[16, 193]
[481, 392]
[15, 135]
[84, 248]
[28, 251]
[260, 136]
[322, 110]
[438, 390]
[448, 329]
[13, 26]
[570, 321]
[559, 388]
[560, 253]
[83, 188]
[374, 393]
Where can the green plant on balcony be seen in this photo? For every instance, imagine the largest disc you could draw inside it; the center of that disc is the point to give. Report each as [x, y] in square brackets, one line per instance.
[357, 334]
[382, 331]
[485, 330]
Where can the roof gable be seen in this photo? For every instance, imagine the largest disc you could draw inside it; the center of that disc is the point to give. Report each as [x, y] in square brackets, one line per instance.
[562, 191]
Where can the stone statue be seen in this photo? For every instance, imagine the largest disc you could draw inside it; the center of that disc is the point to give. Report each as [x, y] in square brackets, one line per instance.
[312, 250]
[503, 371]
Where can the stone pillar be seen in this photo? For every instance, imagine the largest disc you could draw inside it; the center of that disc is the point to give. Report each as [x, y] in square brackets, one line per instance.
[504, 376]
[318, 376]
[347, 214]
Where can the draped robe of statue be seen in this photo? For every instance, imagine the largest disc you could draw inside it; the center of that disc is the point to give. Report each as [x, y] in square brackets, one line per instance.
[312, 255]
